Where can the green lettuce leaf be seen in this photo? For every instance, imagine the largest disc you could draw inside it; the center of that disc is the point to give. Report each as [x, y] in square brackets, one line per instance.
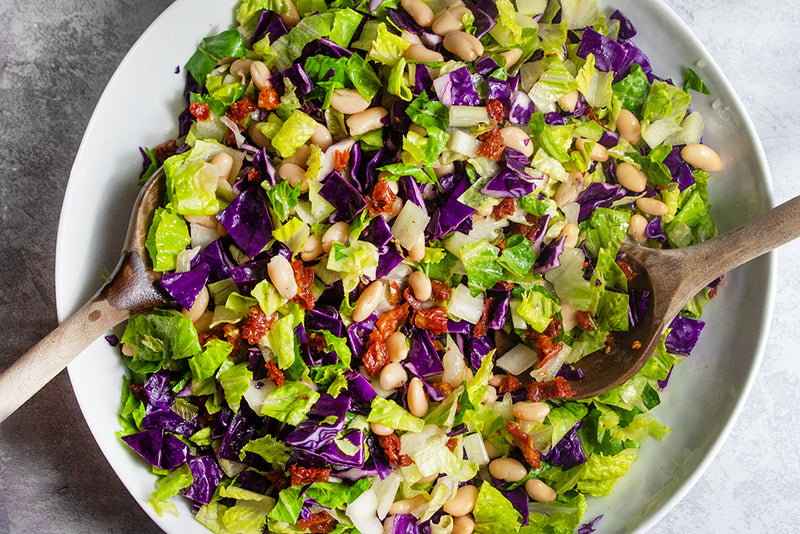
[290, 403]
[167, 237]
[389, 413]
[493, 513]
[270, 449]
[205, 364]
[212, 49]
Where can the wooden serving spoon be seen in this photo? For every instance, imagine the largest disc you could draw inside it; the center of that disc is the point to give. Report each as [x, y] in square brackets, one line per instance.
[673, 277]
[132, 289]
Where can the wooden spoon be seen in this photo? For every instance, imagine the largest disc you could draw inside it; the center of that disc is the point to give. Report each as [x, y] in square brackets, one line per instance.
[673, 277]
[132, 289]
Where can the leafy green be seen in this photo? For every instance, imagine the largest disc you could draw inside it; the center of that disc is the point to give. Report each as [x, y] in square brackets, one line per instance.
[518, 256]
[693, 81]
[480, 261]
[205, 364]
[632, 90]
[428, 113]
[290, 403]
[493, 513]
[389, 413]
[211, 50]
[294, 133]
[161, 337]
[270, 449]
[168, 235]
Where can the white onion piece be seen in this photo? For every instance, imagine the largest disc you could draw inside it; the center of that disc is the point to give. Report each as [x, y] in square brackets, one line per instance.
[475, 449]
[385, 491]
[463, 143]
[410, 224]
[549, 370]
[363, 513]
[518, 360]
[464, 306]
[466, 116]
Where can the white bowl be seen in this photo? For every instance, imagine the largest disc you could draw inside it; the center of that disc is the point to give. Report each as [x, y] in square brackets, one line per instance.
[706, 393]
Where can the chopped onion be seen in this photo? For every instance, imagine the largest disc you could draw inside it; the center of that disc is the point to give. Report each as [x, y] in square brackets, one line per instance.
[386, 490]
[363, 513]
[549, 370]
[409, 224]
[463, 305]
[463, 143]
[475, 449]
[466, 116]
[518, 359]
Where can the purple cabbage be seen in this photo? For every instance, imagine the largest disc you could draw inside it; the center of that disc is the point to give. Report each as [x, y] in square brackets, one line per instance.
[520, 108]
[404, 21]
[219, 261]
[269, 25]
[498, 89]
[519, 499]
[171, 422]
[554, 119]
[377, 232]
[589, 527]
[509, 184]
[299, 78]
[207, 475]
[485, 65]
[313, 433]
[241, 429]
[325, 318]
[609, 55]
[452, 213]
[262, 163]
[626, 29]
[184, 287]
[346, 200]
[334, 454]
[684, 335]
[456, 89]
[567, 453]
[597, 195]
[388, 258]
[248, 221]
[361, 392]
[639, 300]
[550, 257]
[158, 391]
[159, 448]
[423, 360]
[654, 230]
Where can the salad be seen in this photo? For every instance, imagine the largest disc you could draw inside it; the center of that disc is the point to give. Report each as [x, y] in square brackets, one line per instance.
[392, 227]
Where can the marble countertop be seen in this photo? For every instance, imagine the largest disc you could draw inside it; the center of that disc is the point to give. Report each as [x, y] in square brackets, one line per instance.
[55, 58]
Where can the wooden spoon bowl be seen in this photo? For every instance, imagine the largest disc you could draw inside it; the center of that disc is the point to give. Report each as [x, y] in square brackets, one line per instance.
[132, 288]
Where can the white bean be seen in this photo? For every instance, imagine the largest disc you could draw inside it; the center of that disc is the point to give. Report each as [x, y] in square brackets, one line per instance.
[419, 11]
[517, 139]
[348, 101]
[490, 395]
[491, 450]
[568, 191]
[405, 506]
[630, 177]
[203, 323]
[281, 275]
[260, 75]
[702, 157]
[397, 346]
[240, 68]
[366, 121]
[539, 491]
[294, 174]
[199, 306]
[322, 137]
[629, 127]
[421, 285]
[300, 156]
[411, 38]
[466, 46]
[312, 249]
[368, 300]
[224, 163]
[637, 228]
[450, 20]
[209, 221]
[392, 376]
[417, 251]
[463, 525]
[417, 398]
[463, 502]
[570, 232]
[569, 101]
[419, 52]
[598, 153]
[511, 56]
[530, 411]
[652, 206]
[291, 17]
[380, 429]
[507, 469]
[128, 350]
[337, 233]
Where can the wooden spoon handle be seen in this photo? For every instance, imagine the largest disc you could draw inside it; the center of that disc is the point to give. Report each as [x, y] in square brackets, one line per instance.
[47, 358]
[758, 236]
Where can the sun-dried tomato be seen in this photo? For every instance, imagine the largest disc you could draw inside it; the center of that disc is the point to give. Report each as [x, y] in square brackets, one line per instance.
[452, 443]
[391, 446]
[525, 443]
[415, 304]
[444, 388]
[206, 419]
[241, 108]
[304, 475]
[377, 355]
[529, 231]
[304, 276]
[545, 348]
[274, 374]
[434, 320]
[391, 320]
[507, 286]
[508, 384]
[554, 328]
[138, 392]
[492, 146]
[268, 98]
[496, 110]
[320, 522]
[233, 335]
[394, 296]
[585, 320]
[483, 324]
[505, 208]
[165, 151]
[382, 198]
[627, 269]
[439, 291]
[340, 159]
[200, 111]
[278, 479]
[609, 343]
[552, 389]
[316, 341]
[257, 324]
[253, 175]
